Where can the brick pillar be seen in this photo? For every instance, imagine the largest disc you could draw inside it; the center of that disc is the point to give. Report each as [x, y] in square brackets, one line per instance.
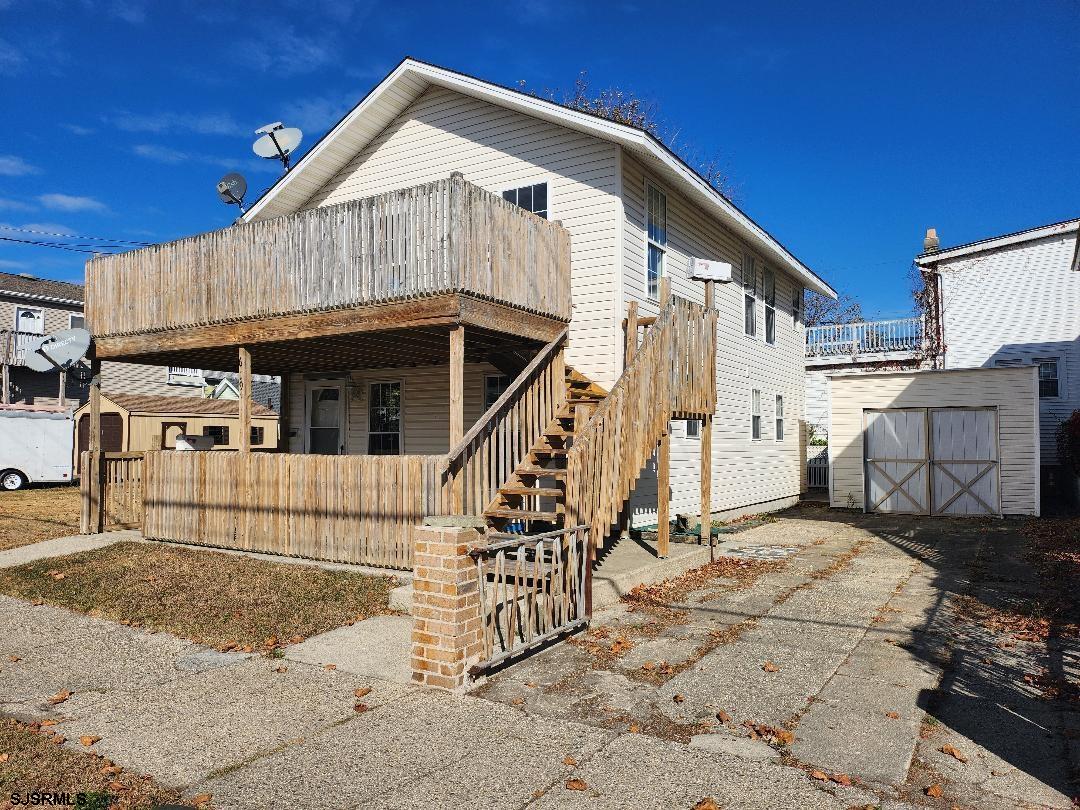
[446, 636]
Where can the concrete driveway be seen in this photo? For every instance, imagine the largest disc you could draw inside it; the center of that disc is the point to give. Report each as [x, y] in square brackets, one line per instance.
[828, 666]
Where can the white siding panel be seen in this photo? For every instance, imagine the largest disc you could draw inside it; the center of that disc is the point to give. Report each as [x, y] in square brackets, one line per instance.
[1011, 390]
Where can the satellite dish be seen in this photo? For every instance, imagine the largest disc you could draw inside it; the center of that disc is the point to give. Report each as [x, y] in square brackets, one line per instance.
[58, 351]
[232, 188]
[278, 142]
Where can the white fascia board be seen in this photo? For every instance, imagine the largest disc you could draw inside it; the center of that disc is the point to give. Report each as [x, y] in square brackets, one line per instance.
[930, 259]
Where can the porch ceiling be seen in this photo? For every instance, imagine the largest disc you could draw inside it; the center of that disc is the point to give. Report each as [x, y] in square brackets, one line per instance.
[387, 349]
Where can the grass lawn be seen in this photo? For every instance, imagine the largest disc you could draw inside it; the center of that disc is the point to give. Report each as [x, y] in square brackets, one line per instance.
[32, 760]
[40, 513]
[221, 600]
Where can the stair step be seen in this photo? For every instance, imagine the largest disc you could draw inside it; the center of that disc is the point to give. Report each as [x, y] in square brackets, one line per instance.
[521, 514]
[557, 433]
[549, 492]
[550, 451]
[540, 472]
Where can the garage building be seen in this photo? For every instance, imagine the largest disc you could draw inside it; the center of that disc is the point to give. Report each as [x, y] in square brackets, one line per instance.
[962, 442]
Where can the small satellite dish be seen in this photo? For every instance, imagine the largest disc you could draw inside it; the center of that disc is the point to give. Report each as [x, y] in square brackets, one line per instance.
[278, 142]
[58, 351]
[232, 188]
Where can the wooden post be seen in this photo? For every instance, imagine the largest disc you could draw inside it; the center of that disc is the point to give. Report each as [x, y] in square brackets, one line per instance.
[5, 376]
[61, 397]
[245, 400]
[663, 495]
[630, 348]
[457, 411]
[665, 293]
[283, 415]
[706, 443]
[96, 466]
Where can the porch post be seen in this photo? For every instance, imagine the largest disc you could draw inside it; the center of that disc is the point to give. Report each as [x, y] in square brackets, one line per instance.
[245, 400]
[663, 494]
[5, 379]
[630, 348]
[706, 444]
[457, 411]
[95, 468]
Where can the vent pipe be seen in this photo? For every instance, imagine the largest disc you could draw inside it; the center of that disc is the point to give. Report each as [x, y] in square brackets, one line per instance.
[931, 243]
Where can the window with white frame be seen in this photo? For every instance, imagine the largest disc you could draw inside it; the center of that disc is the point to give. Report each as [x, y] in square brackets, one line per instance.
[30, 320]
[797, 296]
[779, 418]
[769, 294]
[76, 321]
[532, 198]
[693, 428]
[755, 414]
[749, 282]
[656, 233]
[1049, 382]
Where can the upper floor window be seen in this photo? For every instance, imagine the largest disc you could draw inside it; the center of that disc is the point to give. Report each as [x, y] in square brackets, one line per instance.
[532, 198]
[76, 321]
[495, 386]
[749, 282]
[755, 414]
[779, 418]
[30, 319]
[769, 293]
[656, 232]
[797, 305]
[1048, 378]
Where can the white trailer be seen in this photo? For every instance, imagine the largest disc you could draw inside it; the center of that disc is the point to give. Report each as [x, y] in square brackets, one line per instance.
[35, 447]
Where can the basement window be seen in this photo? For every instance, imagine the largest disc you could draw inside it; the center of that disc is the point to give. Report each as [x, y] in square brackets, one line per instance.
[532, 198]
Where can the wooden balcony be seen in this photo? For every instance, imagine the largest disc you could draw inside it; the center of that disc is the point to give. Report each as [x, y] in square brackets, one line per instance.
[432, 254]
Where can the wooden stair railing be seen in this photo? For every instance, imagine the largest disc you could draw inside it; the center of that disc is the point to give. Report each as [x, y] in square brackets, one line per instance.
[671, 376]
[496, 446]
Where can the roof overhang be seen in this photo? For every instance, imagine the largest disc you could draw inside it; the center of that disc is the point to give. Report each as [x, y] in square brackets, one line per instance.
[47, 299]
[994, 243]
[411, 78]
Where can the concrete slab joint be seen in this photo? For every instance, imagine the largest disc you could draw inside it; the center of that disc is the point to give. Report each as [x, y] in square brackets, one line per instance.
[446, 634]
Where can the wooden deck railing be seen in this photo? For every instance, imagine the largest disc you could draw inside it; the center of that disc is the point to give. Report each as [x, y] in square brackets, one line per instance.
[488, 454]
[355, 509]
[443, 237]
[118, 487]
[671, 376]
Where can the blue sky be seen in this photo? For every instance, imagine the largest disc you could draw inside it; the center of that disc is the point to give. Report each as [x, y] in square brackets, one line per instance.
[847, 128]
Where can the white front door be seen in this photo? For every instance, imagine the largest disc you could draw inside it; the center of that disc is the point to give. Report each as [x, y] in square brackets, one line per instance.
[326, 418]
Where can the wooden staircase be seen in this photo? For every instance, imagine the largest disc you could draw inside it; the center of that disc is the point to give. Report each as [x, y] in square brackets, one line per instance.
[533, 498]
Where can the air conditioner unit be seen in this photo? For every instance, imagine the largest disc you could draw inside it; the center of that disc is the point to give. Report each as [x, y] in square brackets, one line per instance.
[709, 270]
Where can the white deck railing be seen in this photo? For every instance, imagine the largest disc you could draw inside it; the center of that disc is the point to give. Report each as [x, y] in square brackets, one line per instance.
[13, 346]
[871, 337]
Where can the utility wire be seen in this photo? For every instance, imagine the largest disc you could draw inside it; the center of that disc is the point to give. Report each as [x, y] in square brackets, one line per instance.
[76, 236]
[59, 246]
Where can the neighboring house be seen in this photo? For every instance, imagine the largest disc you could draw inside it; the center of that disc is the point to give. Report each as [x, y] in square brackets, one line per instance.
[31, 307]
[1009, 301]
[438, 300]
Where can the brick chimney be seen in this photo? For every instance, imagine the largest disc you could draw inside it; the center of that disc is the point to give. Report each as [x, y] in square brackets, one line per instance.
[931, 242]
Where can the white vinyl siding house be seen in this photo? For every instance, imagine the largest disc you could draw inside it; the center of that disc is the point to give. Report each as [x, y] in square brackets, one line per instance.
[622, 200]
[1015, 300]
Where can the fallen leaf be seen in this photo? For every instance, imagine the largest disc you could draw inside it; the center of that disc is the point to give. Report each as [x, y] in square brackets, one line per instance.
[723, 717]
[270, 642]
[59, 739]
[248, 648]
[362, 691]
[202, 799]
[360, 708]
[953, 752]
[576, 784]
[88, 739]
[769, 666]
[678, 698]
[281, 669]
[569, 760]
[95, 613]
[841, 779]
[60, 697]
[14, 659]
[111, 770]
[634, 728]
[38, 602]
[5, 757]
[530, 685]
[892, 715]
[50, 722]
[296, 639]
[331, 667]
[935, 791]
[116, 787]
[58, 576]
[518, 701]
[648, 665]
[708, 803]
[538, 794]
[821, 776]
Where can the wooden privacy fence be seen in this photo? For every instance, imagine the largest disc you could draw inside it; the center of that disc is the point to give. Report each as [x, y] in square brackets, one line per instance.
[442, 237]
[489, 453]
[672, 375]
[355, 509]
[532, 589]
[112, 483]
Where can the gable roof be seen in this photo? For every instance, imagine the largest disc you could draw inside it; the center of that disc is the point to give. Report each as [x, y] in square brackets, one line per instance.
[411, 78]
[156, 403]
[1006, 240]
[42, 289]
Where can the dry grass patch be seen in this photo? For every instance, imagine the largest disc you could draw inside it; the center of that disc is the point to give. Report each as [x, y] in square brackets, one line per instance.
[33, 760]
[32, 515]
[221, 600]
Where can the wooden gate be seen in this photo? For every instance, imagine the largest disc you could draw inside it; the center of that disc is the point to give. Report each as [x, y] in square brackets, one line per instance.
[964, 461]
[896, 447]
[533, 589]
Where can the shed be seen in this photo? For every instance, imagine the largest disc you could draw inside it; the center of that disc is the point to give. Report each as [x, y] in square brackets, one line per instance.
[132, 422]
[962, 442]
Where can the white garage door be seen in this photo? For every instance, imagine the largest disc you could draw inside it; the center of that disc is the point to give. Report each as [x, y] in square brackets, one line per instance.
[897, 478]
[964, 461]
[941, 461]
